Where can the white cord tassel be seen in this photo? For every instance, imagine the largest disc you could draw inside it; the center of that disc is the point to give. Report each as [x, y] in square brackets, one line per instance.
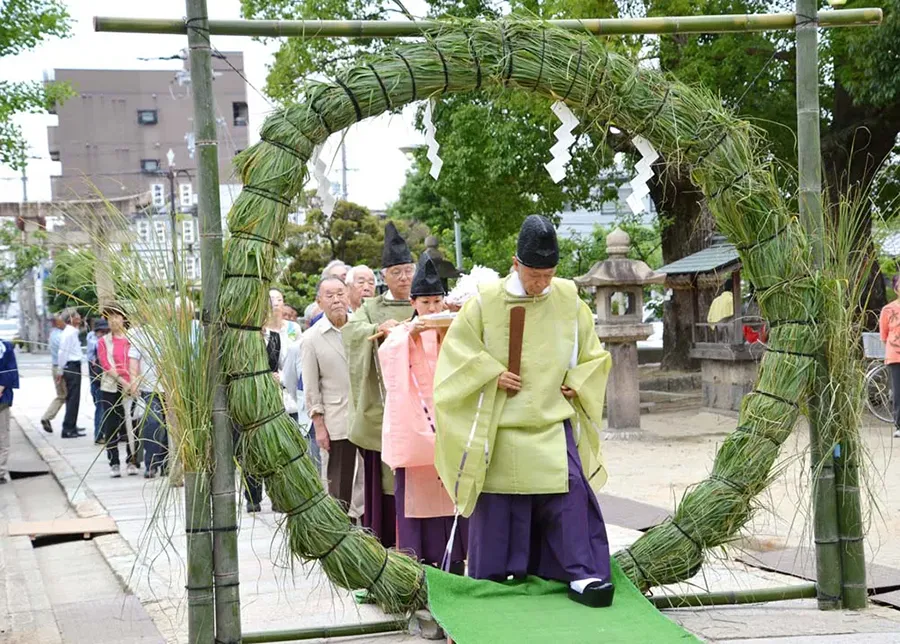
[564, 141]
[323, 185]
[436, 162]
[639, 188]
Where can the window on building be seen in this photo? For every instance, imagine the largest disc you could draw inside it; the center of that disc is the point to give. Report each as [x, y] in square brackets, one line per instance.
[143, 231]
[241, 114]
[187, 231]
[160, 228]
[150, 166]
[158, 193]
[147, 117]
[54, 155]
[185, 195]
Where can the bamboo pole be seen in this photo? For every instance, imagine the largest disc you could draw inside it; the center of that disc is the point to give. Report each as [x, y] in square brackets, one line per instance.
[201, 616]
[224, 539]
[854, 590]
[323, 632]
[397, 28]
[809, 153]
[825, 524]
[734, 597]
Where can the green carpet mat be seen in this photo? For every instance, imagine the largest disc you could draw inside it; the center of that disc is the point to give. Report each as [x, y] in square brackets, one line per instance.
[535, 611]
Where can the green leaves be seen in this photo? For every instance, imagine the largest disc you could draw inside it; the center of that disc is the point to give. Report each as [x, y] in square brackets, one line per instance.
[352, 234]
[24, 24]
[494, 148]
[71, 282]
[18, 258]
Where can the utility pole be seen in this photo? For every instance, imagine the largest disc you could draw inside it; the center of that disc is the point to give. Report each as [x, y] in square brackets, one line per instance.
[457, 234]
[27, 304]
[173, 215]
[344, 171]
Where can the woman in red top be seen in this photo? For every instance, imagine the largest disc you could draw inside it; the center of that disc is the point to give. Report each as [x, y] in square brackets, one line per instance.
[889, 325]
[112, 353]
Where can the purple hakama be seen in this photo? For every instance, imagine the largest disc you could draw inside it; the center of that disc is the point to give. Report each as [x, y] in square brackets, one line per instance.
[552, 536]
[379, 515]
[427, 538]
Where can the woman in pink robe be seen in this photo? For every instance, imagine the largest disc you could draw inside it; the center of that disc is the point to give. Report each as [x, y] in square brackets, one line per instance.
[426, 520]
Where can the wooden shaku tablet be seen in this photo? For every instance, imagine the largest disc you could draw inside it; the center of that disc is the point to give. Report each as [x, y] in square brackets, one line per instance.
[516, 333]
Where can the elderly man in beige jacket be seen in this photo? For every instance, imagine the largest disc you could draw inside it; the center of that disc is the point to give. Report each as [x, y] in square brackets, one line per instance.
[326, 384]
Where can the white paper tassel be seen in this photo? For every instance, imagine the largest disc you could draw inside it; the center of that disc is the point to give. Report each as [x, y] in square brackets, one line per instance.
[467, 285]
[644, 167]
[436, 162]
[564, 137]
[323, 185]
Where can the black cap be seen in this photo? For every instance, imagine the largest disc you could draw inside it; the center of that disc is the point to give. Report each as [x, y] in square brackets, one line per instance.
[101, 325]
[426, 281]
[395, 249]
[537, 246]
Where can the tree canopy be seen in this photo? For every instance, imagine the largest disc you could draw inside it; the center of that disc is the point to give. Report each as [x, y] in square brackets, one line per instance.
[17, 259]
[351, 234]
[71, 282]
[494, 144]
[24, 24]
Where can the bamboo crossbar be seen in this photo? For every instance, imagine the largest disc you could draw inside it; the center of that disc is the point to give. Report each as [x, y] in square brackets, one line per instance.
[403, 28]
[735, 597]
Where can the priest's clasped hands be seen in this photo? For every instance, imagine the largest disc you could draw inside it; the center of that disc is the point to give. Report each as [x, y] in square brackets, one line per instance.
[513, 382]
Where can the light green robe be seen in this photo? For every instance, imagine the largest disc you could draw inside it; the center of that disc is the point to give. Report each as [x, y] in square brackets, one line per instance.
[366, 388]
[488, 442]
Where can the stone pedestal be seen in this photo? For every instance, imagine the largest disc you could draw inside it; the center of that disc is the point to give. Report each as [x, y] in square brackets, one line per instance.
[618, 285]
[623, 392]
[725, 383]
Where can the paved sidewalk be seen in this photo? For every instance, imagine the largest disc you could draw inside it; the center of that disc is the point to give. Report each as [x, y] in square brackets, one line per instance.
[63, 592]
[277, 593]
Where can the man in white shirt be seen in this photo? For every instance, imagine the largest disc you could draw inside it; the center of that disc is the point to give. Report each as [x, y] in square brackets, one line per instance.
[60, 399]
[326, 381]
[70, 357]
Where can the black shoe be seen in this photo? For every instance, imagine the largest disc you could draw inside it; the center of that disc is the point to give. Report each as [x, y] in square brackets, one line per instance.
[597, 594]
[47, 426]
[69, 435]
[253, 508]
[3, 480]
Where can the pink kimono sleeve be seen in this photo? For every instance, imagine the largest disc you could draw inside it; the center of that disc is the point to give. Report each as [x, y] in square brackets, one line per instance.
[407, 438]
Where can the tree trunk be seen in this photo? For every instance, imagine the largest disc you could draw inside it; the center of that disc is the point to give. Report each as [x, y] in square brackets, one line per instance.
[858, 141]
[688, 226]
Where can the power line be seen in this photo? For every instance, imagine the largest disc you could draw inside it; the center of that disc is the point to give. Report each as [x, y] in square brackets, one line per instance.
[205, 35]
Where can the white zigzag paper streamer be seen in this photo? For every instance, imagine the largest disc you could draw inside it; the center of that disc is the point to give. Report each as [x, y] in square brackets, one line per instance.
[436, 162]
[323, 185]
[564, 140]
[639, 188]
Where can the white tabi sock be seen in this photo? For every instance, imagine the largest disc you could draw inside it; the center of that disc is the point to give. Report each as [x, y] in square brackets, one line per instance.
[579, 585]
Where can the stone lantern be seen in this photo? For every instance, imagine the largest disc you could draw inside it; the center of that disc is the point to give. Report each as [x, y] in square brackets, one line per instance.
[618, 284]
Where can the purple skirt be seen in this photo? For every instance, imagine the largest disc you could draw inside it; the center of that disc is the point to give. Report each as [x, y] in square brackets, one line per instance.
[552, 536]
[427, 539]
[379, 515]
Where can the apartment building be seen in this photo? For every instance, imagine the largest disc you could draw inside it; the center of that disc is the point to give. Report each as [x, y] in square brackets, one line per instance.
[128, 132]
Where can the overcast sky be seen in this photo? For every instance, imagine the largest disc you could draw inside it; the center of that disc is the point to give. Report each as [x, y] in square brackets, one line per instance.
[373, 147]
